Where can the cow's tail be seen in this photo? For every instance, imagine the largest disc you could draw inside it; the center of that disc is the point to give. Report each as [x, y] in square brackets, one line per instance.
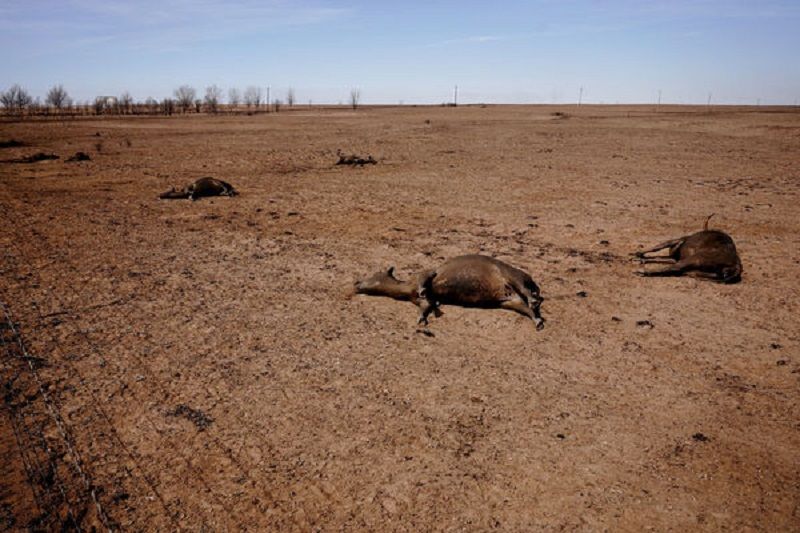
[705, 224]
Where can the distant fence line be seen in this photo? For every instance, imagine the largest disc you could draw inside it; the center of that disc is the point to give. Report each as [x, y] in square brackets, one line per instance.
[163, 108]
[18, 103]
[172, 108]
[169, 107]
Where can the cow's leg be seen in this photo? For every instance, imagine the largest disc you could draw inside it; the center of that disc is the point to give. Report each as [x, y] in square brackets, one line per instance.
[678, 269]
[707, 275]
[426, 307]
[518, 306]
[537, 314]
[665, 260]
[668, 244]
[424, 298]
[533, 301]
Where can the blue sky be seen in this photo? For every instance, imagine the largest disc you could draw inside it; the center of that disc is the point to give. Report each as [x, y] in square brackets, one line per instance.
[413, 51]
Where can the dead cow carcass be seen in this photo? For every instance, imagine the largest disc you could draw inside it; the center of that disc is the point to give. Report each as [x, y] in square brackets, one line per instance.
[467, 281]
[201, 188]
[354, 160]
[709, 254]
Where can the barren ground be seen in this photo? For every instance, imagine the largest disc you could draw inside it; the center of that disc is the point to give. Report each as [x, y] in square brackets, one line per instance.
[202, 366]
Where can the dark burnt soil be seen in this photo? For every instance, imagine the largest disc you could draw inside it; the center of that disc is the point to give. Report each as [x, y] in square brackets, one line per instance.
[203, 364]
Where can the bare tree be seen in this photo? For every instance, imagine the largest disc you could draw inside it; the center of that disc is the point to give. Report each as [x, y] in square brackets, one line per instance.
[168, 106]
[35, 106]
[252, 97]
[212, 98]
[184, 97]
[125, 103]
[290, 97]
[355, 98]
[24, 99]
[16, 99]
[99, 105]
[57, 97]
[7, 99]
[234, 99]
[277, 104]
[151, 105]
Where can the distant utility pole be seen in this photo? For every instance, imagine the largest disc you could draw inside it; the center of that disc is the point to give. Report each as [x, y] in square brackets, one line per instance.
[269, 102]
[455, 96]
[708, 104]
[580, 97]
[758, 102]
[658, 105]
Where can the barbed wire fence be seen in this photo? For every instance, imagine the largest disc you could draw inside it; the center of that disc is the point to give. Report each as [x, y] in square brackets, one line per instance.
[46, 485]
[166, 397]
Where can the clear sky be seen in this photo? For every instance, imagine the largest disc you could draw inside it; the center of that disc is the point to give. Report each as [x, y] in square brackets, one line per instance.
[539, 51]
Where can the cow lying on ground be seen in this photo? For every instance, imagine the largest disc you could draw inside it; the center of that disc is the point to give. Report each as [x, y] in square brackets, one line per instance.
[467, 281]
[200, 188]
[709, 254]
[354, 159]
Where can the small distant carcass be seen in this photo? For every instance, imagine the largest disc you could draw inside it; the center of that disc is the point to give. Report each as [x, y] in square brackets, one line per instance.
[709, 254]
[203, 187]
[467, 281]
[354, 159]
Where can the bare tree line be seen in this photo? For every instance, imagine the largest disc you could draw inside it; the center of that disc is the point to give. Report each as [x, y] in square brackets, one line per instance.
[17, 101]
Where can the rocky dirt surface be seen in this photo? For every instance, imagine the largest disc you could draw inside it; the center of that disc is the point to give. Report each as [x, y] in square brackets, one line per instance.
[203, 365]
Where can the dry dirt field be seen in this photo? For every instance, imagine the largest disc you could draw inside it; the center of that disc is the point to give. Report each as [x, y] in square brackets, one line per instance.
[202, 365]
